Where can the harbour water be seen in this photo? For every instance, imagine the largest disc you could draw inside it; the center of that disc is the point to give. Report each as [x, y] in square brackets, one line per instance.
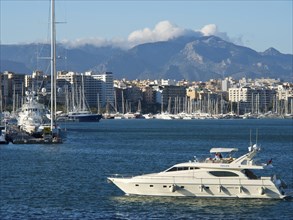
[68, 181]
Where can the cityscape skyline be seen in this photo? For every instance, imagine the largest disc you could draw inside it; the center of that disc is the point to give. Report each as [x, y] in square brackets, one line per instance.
[258, 95]
[255, 24]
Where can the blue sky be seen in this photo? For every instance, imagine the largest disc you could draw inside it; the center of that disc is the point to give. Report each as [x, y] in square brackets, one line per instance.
[255, 24]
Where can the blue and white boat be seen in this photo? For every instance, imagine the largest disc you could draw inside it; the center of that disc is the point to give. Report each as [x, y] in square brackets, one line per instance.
[84, 116]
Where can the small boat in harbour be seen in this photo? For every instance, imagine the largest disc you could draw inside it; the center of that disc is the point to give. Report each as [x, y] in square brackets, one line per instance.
[3, 135]
[84, 116]
[222, 177]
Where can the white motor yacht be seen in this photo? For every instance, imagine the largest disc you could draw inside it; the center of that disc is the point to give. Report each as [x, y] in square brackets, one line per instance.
[32, 114]
[227, 177]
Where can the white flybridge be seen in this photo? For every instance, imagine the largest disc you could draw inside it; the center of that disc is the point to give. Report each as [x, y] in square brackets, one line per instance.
[224, 176]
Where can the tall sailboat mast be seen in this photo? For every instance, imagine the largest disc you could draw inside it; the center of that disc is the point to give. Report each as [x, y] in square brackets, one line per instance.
[53, 60]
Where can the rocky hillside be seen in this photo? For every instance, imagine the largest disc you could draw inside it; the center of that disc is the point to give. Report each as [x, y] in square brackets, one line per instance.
[191, 58]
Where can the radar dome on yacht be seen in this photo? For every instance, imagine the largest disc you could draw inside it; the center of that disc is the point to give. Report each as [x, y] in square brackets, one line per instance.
[44, 90]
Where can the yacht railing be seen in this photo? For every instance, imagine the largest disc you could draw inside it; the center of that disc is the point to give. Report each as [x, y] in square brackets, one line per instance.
[207, 158]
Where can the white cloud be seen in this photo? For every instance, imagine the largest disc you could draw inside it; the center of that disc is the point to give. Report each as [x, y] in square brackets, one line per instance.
[208, 30]
[212, 29]
[163, 31]
[98, 42]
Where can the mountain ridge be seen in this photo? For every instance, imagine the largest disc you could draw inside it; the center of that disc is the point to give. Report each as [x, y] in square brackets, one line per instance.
[191, 58]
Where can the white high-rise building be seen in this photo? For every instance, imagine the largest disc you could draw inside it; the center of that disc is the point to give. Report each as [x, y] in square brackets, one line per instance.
[240, 94]
[225, 85]
[96, 86]
[257, 98]
[99, 84]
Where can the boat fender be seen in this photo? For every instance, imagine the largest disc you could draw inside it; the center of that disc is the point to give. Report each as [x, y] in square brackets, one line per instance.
[261, 190]
[201, 187]
[172, 188]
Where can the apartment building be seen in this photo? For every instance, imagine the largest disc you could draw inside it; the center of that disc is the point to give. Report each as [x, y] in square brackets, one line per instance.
[99, 85]
[93, 86]
[253, 99]
[12, 86]
[242, 94]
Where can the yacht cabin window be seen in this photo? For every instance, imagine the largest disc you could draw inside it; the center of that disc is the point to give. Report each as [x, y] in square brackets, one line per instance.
[223, 173]
[181, 168]
[249, 174]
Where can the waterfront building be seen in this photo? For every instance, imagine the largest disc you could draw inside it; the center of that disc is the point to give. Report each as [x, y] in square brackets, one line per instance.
[12, 89]
[132, 96]
[284, 100]
[37, 81]
[284, 91]
[172, 92]
[240, 94]
[192, 93]
[70, 83]
[253, 100]
[171, 97]
[149, 95]
[225, 85]
[245, 95]
[99, 84]
[96, 87]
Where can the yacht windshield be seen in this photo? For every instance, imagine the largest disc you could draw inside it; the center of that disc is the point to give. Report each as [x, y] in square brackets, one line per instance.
[181, 169]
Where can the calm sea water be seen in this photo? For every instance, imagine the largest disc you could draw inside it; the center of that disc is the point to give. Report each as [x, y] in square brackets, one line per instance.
[68, 181]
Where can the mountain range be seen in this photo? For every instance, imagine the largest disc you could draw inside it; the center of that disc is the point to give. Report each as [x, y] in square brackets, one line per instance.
[191, 58]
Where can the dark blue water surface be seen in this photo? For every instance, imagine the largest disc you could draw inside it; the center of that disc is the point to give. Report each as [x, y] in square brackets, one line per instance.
[68, 181]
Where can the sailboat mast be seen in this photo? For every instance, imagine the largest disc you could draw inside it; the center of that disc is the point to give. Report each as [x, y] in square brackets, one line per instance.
[1, 105]
[53, 60]
[82, 91]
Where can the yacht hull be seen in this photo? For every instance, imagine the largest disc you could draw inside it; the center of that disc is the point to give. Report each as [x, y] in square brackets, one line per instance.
[85, 118]
[223, 188]
[3, 141]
